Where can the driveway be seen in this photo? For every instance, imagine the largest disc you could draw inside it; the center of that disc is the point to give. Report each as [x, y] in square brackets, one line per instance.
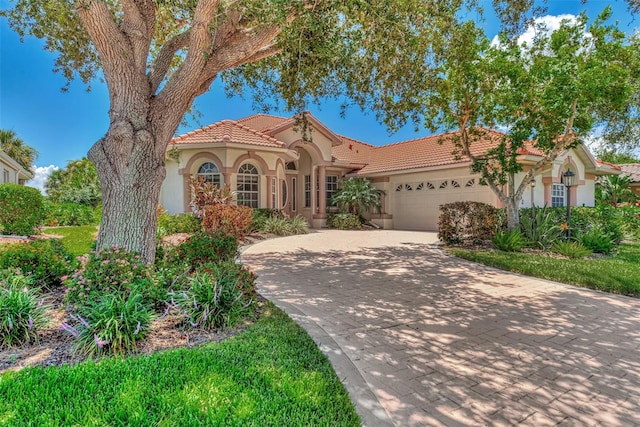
[421, 338]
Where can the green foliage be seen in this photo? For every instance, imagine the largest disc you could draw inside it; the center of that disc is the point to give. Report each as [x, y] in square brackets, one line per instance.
[234, 220]
[112, 270]
[21, 209]
[181, 223]
[203, 248]
[219, 295]
[357, 195]
[273, 374]
[509, 241]
[15, 148]
[261, 215]
[112, 324]
[286, 226]
[22, 315]
[46, 261]
[77, 183]
[344, 221]
[469, 221]
[538, 227]
[571, 249]
[596, 240]
[616, 157]
[630, 221]
[70, 214]
[614, 190]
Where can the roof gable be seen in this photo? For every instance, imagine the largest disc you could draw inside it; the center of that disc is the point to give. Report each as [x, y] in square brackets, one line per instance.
[631, 169]
[227, 131]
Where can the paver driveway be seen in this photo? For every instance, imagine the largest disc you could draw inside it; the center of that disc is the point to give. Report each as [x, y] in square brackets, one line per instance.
[422, 338]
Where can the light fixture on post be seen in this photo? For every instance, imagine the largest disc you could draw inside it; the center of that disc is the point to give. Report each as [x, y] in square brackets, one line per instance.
[569, 180]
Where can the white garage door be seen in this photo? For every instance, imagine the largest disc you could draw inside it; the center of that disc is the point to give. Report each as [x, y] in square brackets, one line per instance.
[416, 205]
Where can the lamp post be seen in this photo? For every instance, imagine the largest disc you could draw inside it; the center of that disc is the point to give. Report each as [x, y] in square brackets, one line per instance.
[569, 181]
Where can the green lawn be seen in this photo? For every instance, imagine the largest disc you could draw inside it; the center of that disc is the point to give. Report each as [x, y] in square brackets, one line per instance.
[619, 273]
[77, 240]
[271, 375]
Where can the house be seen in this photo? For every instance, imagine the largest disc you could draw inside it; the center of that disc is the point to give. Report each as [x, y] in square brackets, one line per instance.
[633, 170]
[270, 164]
[11, 171]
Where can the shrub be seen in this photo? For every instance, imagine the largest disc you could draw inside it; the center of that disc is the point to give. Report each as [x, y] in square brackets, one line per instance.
[21, 209]
[45, 260]
[469, 221]
[183, 223]
[630, 221]
[509, 241]
[111, 270]
[344, 221]
[229, 219]
[70, 214]
[21, 314]
[113, 323]
[260, 216]
[218, 296]
[570, 249]
[596, 240]
[538, 228]
[206, 247]
[286, 226]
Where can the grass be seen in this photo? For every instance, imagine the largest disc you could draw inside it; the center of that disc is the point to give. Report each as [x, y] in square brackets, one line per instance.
[618, 274]
[78, 240]
[270, 375]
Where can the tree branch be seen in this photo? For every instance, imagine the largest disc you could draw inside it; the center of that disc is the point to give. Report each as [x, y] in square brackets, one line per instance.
[160, 67]
[137, 24]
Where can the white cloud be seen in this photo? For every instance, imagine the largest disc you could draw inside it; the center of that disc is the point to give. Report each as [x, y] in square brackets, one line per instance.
[40, 177]
[547, 23]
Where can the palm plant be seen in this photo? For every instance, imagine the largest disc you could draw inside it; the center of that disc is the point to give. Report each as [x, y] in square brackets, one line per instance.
[15, 148]
[614, 189]
[356, 196]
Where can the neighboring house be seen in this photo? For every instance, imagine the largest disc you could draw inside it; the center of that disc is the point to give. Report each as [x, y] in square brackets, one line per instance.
[269, 164]
[633, 170]
[11, 171]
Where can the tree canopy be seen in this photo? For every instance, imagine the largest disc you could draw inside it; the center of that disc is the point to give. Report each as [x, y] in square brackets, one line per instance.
[76, 183]
[17, 149]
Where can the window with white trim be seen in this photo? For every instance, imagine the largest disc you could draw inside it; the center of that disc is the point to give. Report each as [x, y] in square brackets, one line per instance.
[5, 176]
[331, 187]
[558, 192]
[209, 171]
[247, 188]
[307, 191]
[284, 193]
[274, 193]
[294, 194]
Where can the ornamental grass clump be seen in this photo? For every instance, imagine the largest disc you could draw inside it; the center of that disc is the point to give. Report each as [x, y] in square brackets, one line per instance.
[283, 226]
[218, 296]
[509, 241]
[22, 313]
[570, 249]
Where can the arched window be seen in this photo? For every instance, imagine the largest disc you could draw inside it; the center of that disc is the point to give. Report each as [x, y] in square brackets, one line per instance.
[209, 171]
[247, 188]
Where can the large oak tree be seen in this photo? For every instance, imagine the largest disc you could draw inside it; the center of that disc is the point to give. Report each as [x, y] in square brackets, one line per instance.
[157, 56]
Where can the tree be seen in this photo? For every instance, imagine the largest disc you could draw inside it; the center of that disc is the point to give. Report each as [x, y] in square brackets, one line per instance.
[614, 189]
[616, 157]
[15, 148]
[77, 183]
[157, 56]
[547, 95]
[356, 196]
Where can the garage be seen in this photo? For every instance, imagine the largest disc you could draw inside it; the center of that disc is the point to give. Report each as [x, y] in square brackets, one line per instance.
[416, 205]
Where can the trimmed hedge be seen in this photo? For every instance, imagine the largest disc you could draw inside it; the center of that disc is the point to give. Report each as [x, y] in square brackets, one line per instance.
[344, 221]
[21, 210]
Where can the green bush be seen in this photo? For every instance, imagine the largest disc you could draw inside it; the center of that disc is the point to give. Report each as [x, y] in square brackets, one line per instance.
[509, 241]
[571, 249]
[460, 222]
[206, 247]
[21, 210]
[22, 315]
[112, 324]
[261, 215]
[70, 214]
[47, 261]
[596, 240]
[630, 221]
[218, 296]
[286, 226]
[344, 221]
[537, 226]
[182, 223]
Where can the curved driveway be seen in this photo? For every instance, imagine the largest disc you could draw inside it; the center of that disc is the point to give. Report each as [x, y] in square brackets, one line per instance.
[421, 338]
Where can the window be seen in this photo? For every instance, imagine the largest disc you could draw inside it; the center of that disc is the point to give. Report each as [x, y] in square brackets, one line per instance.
[210, 173]
[331, 187]
[5, 176]
[294, 194]
[444, 185]
[307, 191]
[284, 193]
[274, 193]
[247, 187]
[291, 166]
[430, 186]
[399, 187]
[470, 183]
[455, 184]
[420, 186]
[408, 187]
[557, 194]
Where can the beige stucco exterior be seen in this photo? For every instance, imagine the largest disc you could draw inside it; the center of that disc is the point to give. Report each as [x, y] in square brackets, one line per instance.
[11, 171]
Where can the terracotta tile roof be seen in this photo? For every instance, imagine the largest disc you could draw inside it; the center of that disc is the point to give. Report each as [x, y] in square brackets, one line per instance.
[227, 131]
[632, 169]
[262, 122]
[352, 150]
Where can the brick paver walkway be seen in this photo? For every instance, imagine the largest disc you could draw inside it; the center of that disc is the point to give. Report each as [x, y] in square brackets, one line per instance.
[421, 338]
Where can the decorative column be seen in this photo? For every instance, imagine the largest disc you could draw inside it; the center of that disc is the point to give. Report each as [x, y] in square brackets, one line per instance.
[322, 181]
[186, 180]
[270, 191]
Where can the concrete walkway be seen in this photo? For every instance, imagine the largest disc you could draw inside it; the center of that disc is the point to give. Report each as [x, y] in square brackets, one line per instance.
[421, 338]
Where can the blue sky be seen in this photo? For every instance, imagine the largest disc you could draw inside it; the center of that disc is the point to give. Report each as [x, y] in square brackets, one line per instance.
[63, 126]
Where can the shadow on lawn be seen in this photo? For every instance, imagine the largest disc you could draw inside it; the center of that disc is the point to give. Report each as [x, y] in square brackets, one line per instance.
[443, 341]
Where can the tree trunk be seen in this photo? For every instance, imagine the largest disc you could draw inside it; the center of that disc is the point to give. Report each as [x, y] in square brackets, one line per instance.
[131, 173]
[513, 215]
